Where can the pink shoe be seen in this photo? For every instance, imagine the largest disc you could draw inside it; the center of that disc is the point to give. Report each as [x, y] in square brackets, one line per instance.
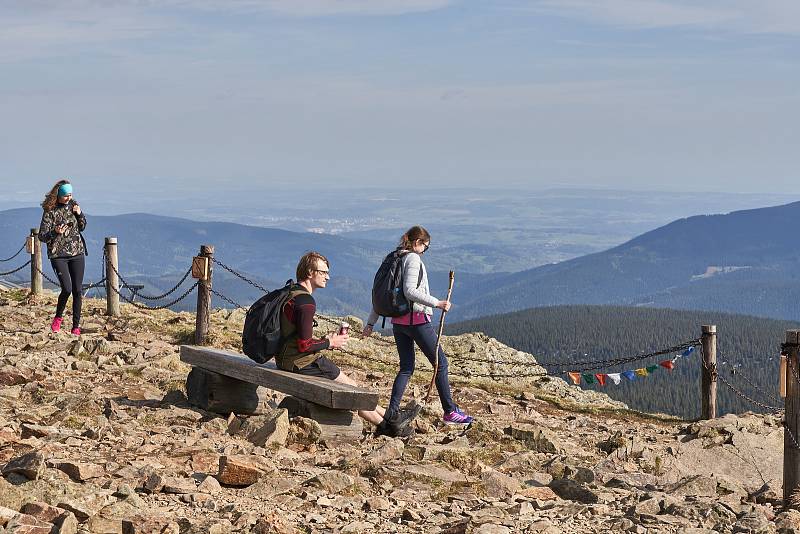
[55, 326]
[76, 331]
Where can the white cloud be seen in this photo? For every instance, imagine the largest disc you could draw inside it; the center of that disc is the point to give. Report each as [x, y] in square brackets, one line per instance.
[765, 16]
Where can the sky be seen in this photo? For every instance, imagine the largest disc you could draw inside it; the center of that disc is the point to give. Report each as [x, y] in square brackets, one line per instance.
[209, 95]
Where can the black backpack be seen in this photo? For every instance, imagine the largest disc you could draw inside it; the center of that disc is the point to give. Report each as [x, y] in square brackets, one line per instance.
[388, 298]
[261, 336]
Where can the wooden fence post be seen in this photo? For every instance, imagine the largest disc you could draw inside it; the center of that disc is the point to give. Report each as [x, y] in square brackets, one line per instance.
[791, 434]
[708, 373]
[36, 263]
[204, 298]
[112, 282]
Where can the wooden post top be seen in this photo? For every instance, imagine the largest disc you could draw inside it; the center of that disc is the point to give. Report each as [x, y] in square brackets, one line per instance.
[111, 240]
[206, 250]
[793, 336]
[34, 231]
[709, 329]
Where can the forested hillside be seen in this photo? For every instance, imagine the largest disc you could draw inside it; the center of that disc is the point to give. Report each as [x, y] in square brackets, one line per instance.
[747, 357]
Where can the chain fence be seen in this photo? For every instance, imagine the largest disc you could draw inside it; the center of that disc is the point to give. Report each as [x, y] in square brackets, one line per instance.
[240, 276]
[15, 254]
[17, 269]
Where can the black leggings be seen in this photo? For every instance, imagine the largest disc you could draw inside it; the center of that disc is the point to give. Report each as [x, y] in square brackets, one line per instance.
[70, 276]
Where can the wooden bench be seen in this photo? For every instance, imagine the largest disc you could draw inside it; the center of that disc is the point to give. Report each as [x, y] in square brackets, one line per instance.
[223, 382]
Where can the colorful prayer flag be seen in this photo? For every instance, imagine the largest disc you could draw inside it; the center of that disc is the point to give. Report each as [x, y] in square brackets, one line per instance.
[601, 378]
[615, 377]
[641, 371]
[575, 377]
[589, 378]
[688, 351]
[667, 364]
[651, 368]
[630, 375]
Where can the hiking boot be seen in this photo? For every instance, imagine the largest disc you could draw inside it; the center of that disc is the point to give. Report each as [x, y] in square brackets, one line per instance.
[55, 326]
[388, 429]
[457, 417]
[408, 414]
[76, 331]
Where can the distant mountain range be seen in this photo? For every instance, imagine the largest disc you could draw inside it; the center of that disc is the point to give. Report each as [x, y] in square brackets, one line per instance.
[741, 262]
[157, 250]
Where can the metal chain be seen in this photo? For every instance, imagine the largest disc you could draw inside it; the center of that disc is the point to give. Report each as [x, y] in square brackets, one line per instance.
[590, 365]
[163, 306]
[747, 398]
[15, 255]
[226, 299]
[766, 394]
[241, 276]
[47, 277]
[168, 293]
[17, 269]
[148, 297]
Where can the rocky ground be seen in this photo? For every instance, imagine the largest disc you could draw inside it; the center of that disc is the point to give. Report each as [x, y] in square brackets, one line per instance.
[96, 436]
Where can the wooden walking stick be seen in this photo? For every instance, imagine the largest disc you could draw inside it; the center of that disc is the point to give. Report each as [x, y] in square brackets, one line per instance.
[439, 339]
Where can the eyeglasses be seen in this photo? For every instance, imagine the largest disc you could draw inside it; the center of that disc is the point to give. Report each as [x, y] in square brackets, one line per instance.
[321, 271]
[427, 246]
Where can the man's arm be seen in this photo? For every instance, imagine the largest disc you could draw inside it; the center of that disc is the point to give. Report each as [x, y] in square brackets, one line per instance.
[304, 310]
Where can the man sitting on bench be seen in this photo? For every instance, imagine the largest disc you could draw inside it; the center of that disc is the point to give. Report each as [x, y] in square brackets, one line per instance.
[300, 351]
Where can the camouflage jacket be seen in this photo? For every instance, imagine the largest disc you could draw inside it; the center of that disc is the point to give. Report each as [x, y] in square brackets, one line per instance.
[71, 242]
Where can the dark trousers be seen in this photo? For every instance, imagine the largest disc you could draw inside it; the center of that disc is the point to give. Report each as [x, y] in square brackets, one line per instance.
[425, 338]
[70, 276]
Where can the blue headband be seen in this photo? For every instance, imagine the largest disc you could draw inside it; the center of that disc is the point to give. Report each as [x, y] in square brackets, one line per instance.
[64, 190]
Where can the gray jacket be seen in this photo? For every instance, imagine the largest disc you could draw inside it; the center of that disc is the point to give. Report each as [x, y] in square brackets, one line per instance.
[420, 297]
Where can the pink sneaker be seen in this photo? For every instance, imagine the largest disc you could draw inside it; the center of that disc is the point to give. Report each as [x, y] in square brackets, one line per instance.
[55, 326]
[457, 417]
[76, 331]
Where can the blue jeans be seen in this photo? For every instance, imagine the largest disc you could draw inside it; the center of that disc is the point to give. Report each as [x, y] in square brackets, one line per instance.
[425, 338]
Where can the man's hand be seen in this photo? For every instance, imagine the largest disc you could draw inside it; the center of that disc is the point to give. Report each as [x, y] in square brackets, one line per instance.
[443, 305]
[367, 331]
[338, 341]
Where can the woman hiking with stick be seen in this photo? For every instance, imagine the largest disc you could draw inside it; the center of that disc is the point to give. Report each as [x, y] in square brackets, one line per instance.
[416, 327]
[61, 227]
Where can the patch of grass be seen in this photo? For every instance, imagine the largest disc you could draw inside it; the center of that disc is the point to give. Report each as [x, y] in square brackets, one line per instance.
[72, 422]
[184, 336]
[173, 385]
[148, 420]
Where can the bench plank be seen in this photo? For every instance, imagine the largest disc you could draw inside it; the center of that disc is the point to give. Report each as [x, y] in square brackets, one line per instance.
[313, 389]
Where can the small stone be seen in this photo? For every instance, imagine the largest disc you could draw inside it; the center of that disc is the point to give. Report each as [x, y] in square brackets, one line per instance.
[571, 490]
[29, 465]
[499, 485]
[239, 470]
[80, 471]
[332, 481]
[647, 507]
[41, 510]
[27, 524]
[377, 503]
[209, 485]
[535, 438]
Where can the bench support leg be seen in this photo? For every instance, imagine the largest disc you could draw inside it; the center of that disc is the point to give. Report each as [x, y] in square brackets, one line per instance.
[221, 394]
[337, 425]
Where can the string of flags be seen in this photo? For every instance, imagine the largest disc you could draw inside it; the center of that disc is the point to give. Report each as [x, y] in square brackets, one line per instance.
[631, 375]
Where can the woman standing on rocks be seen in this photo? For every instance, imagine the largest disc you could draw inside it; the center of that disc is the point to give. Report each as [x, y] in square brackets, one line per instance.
[416, 327]
[61, 227]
